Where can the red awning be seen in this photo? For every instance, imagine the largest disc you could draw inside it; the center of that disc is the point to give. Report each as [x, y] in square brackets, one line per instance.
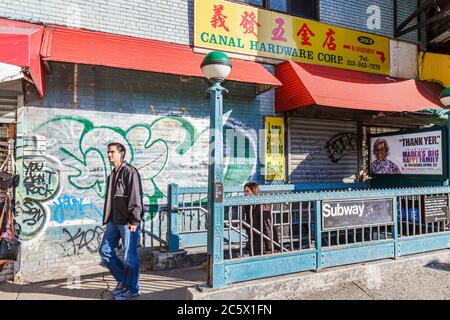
[307, 84]
[20, 45]
[96, 48]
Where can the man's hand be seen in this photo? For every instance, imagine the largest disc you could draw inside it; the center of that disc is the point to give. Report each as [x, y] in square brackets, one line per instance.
[132, 228]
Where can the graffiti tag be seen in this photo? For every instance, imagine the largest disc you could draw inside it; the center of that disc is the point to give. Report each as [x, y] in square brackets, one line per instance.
[89, 239]
[33, 217]
[38, 179]
[342, 144]
[76, 208]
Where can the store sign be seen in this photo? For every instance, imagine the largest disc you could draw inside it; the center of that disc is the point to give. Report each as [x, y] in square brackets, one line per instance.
[419, 153]
[435, 208]
[274, 164]
[356, 213]
[227, 26]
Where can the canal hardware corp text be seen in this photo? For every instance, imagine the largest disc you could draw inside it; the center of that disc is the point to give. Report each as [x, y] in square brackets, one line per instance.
[222, 25]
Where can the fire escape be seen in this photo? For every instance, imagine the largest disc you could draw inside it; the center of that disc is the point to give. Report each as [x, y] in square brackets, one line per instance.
[434, 16]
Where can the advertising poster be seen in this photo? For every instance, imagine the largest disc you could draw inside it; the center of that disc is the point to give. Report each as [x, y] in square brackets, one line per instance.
[417, 153]
[274, 148]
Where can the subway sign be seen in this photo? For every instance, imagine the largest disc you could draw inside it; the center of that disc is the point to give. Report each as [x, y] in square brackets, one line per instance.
[356, 213]
[227, 26]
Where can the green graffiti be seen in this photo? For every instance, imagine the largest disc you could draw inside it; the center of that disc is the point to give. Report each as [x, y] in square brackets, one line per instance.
[192, 135]
[86, 151]
[240, 168]
[97, 185]
[81, 148]
[238, 173]
[153, 203]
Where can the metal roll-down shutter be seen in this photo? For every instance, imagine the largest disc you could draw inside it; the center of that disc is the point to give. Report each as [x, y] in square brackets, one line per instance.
[321, 151]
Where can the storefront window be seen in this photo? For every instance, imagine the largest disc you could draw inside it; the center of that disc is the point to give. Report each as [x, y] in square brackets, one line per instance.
[279, 5]
[304, 8]
[259, 3]
[300, 8]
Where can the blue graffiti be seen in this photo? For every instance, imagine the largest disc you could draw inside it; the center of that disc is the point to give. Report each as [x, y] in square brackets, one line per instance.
[68, 207]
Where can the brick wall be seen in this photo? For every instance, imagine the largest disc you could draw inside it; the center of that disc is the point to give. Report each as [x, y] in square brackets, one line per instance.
[163, 121]
[61, 142]
[353, 15]
[7, 272]
[157, 19]
[172, 21]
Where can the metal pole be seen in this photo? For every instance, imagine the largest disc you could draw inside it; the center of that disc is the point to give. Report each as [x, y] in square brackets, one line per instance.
[216, 271]
[395, 19]
[173, 236]
[447, 181]
[318, 231]
[397, 251]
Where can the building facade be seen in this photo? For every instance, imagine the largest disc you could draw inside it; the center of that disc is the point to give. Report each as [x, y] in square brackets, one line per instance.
[162, 118]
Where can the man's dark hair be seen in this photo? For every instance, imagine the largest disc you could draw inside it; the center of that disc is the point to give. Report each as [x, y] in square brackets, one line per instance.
[120, 147]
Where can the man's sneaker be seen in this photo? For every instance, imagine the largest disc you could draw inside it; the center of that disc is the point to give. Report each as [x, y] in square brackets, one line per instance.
[118, 290]
[127, 295]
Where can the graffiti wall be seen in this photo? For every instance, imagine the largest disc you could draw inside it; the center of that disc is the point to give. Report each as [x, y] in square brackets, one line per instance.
[61, 156]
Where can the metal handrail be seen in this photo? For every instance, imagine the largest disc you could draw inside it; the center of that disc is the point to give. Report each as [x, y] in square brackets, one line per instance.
[332, 195]
[280, 187]
[190, 208]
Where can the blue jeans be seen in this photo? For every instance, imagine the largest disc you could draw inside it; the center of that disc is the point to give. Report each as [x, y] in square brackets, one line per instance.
[126, 272]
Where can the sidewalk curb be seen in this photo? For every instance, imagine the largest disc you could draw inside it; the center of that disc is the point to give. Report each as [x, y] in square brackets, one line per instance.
[282, 286]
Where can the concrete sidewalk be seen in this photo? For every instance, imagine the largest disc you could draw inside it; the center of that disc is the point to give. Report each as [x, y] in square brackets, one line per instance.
[155, 285]
[421, 276]
[426, 282]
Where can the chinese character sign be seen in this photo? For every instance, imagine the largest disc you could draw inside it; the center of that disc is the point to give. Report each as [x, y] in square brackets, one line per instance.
[249, 23]
[228, 26]
[304, 33]
[218, 19]
[274, 161]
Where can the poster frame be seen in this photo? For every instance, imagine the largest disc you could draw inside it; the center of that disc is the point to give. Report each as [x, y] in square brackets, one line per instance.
[264, 145]
[357, 226]
[412, 177]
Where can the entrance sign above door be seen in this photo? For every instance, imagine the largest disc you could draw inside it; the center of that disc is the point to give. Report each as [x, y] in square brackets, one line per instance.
[227, 26]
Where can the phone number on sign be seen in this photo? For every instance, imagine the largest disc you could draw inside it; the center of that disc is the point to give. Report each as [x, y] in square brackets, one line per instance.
[362, 64]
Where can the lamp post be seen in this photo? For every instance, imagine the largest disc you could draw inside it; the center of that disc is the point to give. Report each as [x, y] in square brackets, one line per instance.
[216, 66]
[445, 97]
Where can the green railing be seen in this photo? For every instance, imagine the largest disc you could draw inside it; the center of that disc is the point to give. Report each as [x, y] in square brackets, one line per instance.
[296, 239]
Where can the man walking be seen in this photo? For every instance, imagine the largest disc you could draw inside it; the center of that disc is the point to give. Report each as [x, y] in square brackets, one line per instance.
[122, 216]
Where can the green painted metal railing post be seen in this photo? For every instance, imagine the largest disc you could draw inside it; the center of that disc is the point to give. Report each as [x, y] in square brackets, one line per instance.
[216, 268]
[447, 181]
[318, 235]
[173, 233]
[395, 226]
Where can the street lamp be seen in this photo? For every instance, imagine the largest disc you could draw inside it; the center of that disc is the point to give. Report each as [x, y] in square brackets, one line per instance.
[445, 97]
[216, 66]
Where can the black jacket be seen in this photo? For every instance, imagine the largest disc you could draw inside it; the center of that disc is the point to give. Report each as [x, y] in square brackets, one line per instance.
[126, 198]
